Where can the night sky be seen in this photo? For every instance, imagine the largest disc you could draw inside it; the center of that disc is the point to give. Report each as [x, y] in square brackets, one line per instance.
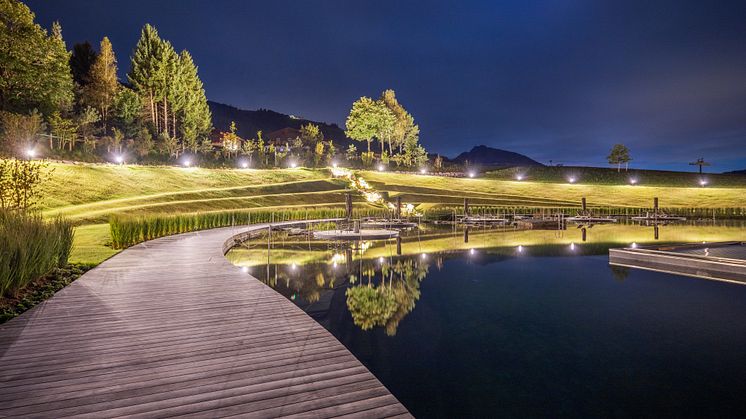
[560, 80]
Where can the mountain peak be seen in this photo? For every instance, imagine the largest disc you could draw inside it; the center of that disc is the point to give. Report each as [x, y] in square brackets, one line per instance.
[488, 156]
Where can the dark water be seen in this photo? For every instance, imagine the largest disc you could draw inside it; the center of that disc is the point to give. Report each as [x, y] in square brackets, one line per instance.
[510, 332]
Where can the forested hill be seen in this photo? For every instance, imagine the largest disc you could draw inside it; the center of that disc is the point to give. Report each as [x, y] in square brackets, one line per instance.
[488, 156]
[249, 122]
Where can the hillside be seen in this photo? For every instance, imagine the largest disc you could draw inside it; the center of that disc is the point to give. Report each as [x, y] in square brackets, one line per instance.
[249, 122]
[492, 157]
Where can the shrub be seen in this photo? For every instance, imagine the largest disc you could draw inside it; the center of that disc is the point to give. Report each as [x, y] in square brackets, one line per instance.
[30, 248]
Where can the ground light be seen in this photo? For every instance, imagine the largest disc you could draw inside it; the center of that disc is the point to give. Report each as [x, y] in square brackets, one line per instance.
[520, 249]
[334, 165]
[633, 245]
[423, 256]
[381, 168]
[703, 183]
[633, 181]
[244, 165]
[572, 247]
[472, 174]
[293, 165]
[31, 153]
[423, 171]
[519, 177]
[119, 159]
[571, 179]
[187, 163]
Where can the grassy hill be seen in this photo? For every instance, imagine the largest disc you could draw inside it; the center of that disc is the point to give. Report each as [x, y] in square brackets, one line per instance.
[90, 193]
[490, 190]
[609, 176]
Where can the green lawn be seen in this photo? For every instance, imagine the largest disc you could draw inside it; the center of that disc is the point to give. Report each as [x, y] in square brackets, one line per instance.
[90, 193]
[440, 190]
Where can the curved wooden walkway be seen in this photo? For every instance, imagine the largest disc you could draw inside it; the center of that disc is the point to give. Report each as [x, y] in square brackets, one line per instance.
[170, 328]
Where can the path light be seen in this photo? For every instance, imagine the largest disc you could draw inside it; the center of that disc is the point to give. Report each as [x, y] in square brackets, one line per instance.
[423, 256]
[633, 245]
[245, 269]
[520, 249]
[703, 183]
[31, 153]
[633, 181]
[119, 159]
[187, 163]
[423, 171]
[381, 168]
[571, 179]
[472, 174]
[292, 266]
[572, 247]
[293, 165]
[519, 177]
[334, 164]
[381, 260]
[244, 164]
[472, 252]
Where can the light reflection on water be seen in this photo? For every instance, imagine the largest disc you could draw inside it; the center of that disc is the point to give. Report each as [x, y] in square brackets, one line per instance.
[516, 323]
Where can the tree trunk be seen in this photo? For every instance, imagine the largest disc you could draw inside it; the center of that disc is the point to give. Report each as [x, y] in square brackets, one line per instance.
[165, 115]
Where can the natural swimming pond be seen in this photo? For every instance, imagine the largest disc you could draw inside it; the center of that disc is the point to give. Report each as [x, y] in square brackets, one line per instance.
[522, 323]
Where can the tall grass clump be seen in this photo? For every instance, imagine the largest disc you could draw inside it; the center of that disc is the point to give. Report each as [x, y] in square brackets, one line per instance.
[30, 248]
[127, 231]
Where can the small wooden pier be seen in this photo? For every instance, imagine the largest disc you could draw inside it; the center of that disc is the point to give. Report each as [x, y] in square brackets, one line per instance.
[169, 327]
[722, 261]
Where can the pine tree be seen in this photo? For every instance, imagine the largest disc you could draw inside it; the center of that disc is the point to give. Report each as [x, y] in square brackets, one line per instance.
[146, 73]
[195, 119]
[81, 60]
[102, 86]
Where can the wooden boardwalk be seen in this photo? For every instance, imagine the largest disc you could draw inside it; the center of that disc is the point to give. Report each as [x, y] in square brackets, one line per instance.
[171, 328]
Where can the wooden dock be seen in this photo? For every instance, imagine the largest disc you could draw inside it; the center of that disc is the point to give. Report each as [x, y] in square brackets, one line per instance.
[169, 327]
[723, 261]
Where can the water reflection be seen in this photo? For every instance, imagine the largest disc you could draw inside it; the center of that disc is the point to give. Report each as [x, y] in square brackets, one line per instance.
[377, 283]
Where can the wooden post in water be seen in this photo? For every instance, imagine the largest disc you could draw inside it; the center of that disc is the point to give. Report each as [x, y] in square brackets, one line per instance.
[398, 246]
[583, 230]
[348, 205]
[583, 204]
[466, 207]
[397, 213]
[466, 235]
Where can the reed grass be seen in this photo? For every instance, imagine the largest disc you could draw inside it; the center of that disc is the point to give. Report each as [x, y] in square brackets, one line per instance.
[30, 248]
[128, 230]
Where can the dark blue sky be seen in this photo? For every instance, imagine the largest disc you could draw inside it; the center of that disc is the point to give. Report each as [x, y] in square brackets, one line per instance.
[560, 80]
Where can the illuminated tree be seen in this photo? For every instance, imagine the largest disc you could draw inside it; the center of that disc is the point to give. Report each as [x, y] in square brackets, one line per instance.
[369, 119]
[231, 141]
[19, 131]
[102, 87]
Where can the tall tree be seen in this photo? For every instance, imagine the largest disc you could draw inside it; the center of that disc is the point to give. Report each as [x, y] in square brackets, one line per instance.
[146, 73]
[34, 65]
[102, 86]
[81, 60]
[368, 119]
[195, 119]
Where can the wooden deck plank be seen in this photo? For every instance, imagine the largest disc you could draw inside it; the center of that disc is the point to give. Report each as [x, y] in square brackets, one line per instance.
[170, 327]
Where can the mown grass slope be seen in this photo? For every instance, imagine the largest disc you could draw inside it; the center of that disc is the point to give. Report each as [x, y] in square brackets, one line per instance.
[424, 189]
[609, 176]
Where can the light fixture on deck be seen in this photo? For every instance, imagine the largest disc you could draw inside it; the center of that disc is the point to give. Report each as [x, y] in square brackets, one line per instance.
[245, 269]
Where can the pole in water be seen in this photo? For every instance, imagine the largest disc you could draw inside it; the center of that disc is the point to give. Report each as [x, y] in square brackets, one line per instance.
[348, 205]
[398, 208]
[398, 246]
[466, 207]
[584, 233]
[583, 203]
[466, 235]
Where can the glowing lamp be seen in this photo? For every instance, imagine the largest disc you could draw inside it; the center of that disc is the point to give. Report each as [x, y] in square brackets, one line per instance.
[187, 163]
[571, 180]
[423, 171]
[119, 159]
[702, 182]
[381, 168]
[633, 181]
[472, 174]
[31, 153]
[244, 165]
[519, 178]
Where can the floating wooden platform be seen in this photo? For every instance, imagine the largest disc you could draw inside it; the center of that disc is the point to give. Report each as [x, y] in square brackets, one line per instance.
[363, 234]
[723, 261]
[169, 327]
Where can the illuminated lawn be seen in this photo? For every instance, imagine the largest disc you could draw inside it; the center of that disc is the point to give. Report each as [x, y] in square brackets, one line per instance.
[90, 245]
[434, 189]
